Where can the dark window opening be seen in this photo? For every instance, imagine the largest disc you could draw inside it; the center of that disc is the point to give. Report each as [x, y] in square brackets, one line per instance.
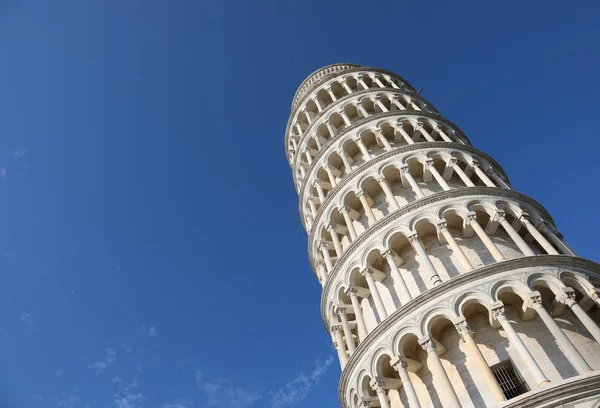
[509, 379]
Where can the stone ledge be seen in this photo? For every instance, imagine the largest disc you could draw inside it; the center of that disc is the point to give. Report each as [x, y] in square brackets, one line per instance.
[570, 390]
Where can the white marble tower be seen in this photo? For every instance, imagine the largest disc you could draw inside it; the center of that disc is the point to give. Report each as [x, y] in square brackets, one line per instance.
[442, 286]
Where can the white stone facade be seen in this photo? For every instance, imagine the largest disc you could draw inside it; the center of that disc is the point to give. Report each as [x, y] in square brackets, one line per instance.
[442, 286]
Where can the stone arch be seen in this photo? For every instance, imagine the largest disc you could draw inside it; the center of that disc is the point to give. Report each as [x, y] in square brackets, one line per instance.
[376, 361]
[432, 316]
[544, 279]
[470, 298]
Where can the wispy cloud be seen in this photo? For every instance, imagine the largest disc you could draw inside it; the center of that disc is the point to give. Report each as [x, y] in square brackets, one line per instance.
[128, 400]
[149, 331]
[3, 174]
[223, 393]
[176, 406]
[69, 402]
[298, 388]
[27, 318]
[59, 374]
[108, 360]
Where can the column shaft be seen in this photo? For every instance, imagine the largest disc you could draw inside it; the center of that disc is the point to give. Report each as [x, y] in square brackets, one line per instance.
[405, 296]
[483, 236]
[375, 294]
[563, 341]
[360, 322]
[424, 260]
[518, 344]
[484, 368]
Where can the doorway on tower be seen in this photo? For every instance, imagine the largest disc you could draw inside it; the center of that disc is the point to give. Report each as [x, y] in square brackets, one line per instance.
[509, 379]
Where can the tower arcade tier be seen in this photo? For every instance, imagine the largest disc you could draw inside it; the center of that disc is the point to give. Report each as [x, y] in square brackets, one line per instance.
[442, 286]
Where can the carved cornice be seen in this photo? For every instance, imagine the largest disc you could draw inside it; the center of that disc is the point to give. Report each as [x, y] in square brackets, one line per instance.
[561, 261]
[371, 163]
[456, 193]
[346, 98]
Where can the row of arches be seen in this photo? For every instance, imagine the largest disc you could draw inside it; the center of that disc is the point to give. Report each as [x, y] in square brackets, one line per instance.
[380, 191]
[312, 82]
[389, 134]
[420, 253]
[342, 86]
[349, 112]
[547, 331]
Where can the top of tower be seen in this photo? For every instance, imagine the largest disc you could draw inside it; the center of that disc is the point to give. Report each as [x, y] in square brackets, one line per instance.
[318, 75]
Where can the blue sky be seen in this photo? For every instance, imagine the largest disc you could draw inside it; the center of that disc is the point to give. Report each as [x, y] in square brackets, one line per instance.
[151, 253]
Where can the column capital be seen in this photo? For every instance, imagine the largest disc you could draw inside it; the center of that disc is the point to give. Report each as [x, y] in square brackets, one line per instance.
[438, 127]
[470, 217]
[524, 216]
[535, 300]
[360, 193]
[398, 363]
[323, 245]
[330, 227]
[428, 162]
[498, 311]
[428, 344]
[499, 216]
[365, 271]
[388, 254]
[351, 291]
[594, 293]
[319, 262]
[442, 226]
[474, 163]
[336, 328]
[413, 238]
[340, 310]
[381, 179]
[452, 161]
[378, 385]
[343, 210]
[567, 296]
[405, 169]
[357, 139]
[462, 328]
[418, 125]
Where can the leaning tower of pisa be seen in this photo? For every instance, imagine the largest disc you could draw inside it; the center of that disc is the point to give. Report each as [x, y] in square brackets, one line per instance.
[442, 286]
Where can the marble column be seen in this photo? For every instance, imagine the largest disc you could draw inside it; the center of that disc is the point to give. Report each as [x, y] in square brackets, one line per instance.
[524, 219]
[429, 165]
[341, 312]
[366, 272]
[442, 228]
[517, 343]
[483, 368]
[365, 203]
[335, 239]
[424, 260]
[568, 298]
[378, 386]
[404, 294]
[360, 321]
[439, 374]
[405, 172]
[349, 224]
[389, 195]
[576, 360]
[471, 220]
[400, 365]
[523, 246]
